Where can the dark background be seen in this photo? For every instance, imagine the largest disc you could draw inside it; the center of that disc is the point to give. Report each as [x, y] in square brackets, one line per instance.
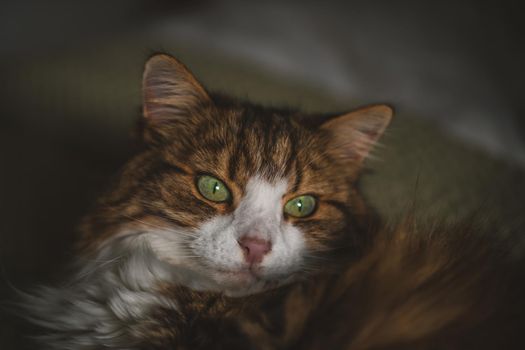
[460, 62]
[65, 127]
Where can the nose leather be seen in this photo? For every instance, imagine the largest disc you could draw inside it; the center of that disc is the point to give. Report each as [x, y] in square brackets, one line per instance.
[254, 248]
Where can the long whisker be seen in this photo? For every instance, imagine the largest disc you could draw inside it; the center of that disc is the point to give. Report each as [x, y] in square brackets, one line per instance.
[99, 266]
[158, 227]
[312, 159]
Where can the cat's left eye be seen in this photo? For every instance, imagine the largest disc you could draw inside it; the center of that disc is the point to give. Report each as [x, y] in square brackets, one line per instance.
[301, 206]
[213, 189]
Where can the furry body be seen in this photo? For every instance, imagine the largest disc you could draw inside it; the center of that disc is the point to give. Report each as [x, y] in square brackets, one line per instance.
[441, 287]
[161, 265]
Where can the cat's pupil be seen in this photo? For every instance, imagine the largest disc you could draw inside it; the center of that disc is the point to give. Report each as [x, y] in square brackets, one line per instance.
[300, 205]
[216, 187]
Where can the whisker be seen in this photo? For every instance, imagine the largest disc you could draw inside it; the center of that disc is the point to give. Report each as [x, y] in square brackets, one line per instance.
[312, 159]
[98, 267]
[158, 227]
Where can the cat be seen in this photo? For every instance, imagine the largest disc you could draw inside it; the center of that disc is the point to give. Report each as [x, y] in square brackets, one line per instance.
[240, 226]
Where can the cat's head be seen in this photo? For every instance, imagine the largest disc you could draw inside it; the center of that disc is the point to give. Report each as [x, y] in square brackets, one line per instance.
[239, 198]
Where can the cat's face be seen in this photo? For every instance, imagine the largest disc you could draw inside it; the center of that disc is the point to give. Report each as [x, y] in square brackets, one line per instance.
[238, 198]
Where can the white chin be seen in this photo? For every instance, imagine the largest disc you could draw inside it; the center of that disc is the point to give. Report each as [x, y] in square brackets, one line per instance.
[241, 283]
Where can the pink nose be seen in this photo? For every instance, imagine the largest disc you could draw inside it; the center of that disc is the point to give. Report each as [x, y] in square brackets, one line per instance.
[254, 248]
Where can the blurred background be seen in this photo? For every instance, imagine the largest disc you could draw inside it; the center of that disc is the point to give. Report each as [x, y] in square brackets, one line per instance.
[70, 97]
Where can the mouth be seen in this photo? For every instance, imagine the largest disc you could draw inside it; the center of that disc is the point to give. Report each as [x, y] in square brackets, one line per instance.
[247, 280]
[243, 278]
[248, 273]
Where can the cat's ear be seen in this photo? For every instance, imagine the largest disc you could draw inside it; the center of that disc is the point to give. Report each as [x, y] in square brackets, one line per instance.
[170, 91]
[354, 134]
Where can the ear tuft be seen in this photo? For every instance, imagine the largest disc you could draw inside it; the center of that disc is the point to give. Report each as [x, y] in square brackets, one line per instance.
[354, 134]
[169, 90]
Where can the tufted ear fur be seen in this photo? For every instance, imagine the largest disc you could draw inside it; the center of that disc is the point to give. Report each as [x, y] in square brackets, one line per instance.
[170, 92]
[354, 134]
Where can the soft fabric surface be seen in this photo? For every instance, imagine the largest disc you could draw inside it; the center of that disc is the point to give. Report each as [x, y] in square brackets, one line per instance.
[68, 120]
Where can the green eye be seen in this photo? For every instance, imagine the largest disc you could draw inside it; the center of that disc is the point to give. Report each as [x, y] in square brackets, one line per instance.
[300, 206]
[213, 189]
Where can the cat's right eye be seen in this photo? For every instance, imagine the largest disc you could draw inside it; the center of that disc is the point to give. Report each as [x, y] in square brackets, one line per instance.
[213, 189]
[301, 206]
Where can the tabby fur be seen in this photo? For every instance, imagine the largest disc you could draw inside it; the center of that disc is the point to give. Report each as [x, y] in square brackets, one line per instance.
[158, 265]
